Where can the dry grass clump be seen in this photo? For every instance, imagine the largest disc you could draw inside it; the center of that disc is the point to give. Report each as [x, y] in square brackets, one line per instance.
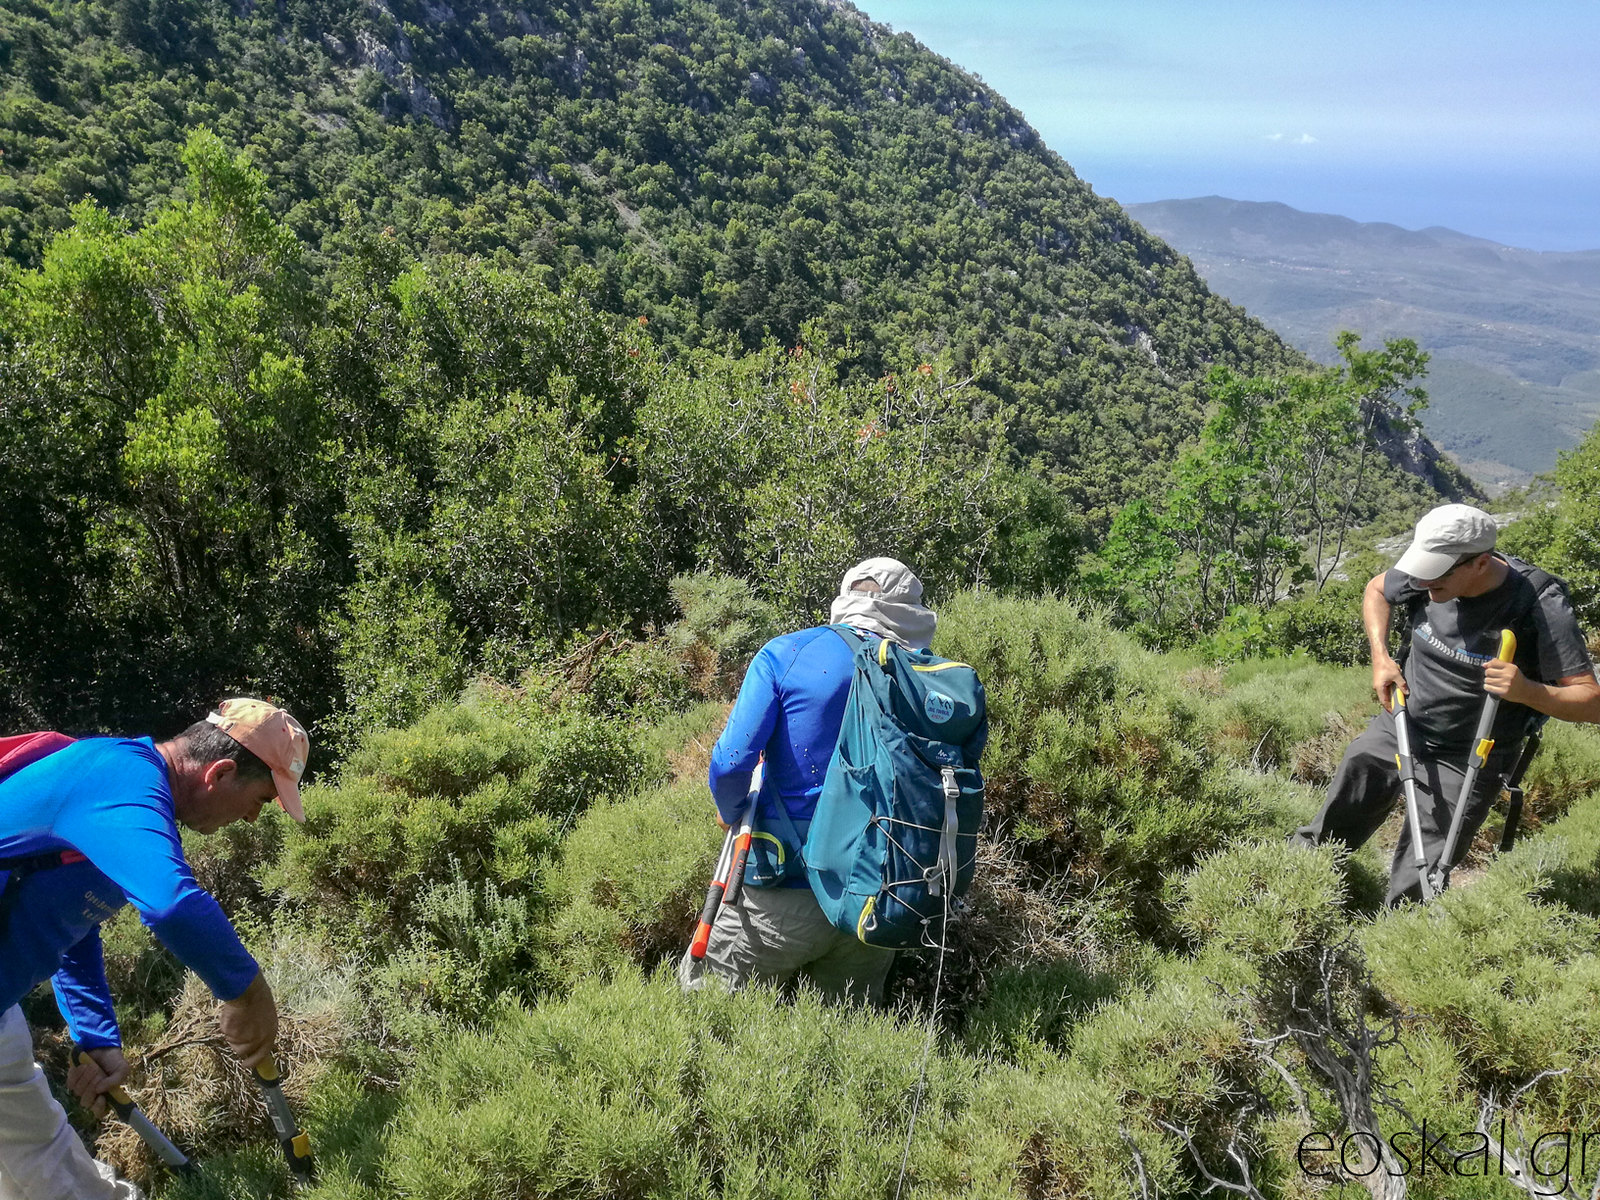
[1208, 681]
[1010, 918]
[1315, 760]
[193, 1088]
[690, 762]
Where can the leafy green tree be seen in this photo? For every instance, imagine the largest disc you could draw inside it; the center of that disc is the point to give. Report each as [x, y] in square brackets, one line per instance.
[1561, 532]
[1265, 501]
[726, 172]
[773, 468]
[163, 443]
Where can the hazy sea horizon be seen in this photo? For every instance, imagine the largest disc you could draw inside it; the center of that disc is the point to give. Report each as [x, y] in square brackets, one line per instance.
[1528, 209]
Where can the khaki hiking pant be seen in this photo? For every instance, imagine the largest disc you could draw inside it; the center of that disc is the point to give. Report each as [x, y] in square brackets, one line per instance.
[41, 1157]
[775, 935]
[1367, 785]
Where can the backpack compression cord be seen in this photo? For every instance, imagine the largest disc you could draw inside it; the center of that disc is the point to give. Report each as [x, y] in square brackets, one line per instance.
[927, 1045]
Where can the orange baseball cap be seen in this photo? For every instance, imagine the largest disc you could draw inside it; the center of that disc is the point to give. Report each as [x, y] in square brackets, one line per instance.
[274, 737]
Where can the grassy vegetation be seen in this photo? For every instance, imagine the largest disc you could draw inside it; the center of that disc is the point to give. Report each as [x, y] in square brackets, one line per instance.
[472, 938]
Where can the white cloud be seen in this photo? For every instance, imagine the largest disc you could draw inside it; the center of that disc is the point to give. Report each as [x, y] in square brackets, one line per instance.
[1305, 139]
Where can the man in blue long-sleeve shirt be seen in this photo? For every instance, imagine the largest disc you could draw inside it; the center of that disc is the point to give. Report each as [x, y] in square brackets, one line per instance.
[789, 713]
[84, 830]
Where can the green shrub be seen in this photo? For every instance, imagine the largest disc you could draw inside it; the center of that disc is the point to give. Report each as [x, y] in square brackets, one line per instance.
[700, 656]
[476, 790]
[1099, 763]
[369, 855]
[635, 1089]
[1169, 1051]
[1509, 978]
[1264, 903]
[722, 627]
[231, 863]
[448, 753]
[1562, 863]
[1030, 1011]
[1327, 624]
[561, 758]
[1502, 972]
[1271, 710]
[630, 879]
[470, 941]
[1566, 769]
[431, 859]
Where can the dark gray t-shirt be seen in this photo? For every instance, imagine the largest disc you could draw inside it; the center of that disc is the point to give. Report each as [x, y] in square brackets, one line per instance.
[1451, 642]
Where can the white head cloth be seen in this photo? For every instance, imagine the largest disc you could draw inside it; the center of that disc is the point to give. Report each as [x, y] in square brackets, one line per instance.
[896, 613]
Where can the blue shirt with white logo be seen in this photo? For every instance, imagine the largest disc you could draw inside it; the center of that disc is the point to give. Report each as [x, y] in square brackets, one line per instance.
[109, 800]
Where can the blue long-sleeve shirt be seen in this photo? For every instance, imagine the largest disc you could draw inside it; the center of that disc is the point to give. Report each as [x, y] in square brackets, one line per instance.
[790, 708]
[109, 800]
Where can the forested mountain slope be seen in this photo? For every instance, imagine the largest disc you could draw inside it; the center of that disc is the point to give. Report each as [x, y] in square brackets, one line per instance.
[731, 170]
[503, 317]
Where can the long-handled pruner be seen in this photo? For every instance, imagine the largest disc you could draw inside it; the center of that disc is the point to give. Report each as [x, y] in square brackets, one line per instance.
[296, 1145]
[160, 1144]
[1408, 783]
[1482, 747]
[728, 878]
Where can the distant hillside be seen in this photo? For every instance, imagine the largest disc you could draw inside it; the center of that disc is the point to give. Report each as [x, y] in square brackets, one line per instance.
[728, 171]
[1515, 334]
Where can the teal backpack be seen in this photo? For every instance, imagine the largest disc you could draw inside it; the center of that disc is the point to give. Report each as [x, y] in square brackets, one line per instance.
[895, 837]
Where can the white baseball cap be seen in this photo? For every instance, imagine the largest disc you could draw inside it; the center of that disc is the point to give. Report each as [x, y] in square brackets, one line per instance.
[1444, 537]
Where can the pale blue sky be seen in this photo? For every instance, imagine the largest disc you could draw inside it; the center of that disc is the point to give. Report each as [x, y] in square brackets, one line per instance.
[1484, 117]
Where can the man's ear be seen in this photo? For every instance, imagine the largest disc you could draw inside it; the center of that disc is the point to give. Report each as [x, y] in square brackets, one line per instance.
[219, 771]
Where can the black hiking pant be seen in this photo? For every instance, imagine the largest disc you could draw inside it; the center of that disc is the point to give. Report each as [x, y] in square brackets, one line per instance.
[1367, 784]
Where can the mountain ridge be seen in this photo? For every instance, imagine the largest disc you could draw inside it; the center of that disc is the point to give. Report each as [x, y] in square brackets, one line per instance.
[1515, 333]
[753, 172]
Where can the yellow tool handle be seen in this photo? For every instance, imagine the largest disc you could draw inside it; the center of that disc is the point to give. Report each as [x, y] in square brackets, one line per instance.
[1508, 646]
[119, 1097]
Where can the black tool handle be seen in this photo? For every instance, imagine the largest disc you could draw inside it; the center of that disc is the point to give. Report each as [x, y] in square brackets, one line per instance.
[1530, 748]
[296, 1145]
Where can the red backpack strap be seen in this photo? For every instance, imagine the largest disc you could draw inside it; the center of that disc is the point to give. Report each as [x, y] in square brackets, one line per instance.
[24, 748]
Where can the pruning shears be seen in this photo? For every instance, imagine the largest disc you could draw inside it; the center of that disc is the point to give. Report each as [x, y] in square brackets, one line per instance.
[1408, 783]
[296, 1145]
[160, 1144]
[1483, 745]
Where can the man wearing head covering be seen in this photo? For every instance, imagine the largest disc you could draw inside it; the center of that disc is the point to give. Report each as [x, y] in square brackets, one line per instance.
[1461, 594]
[86, 827]
[789, 713]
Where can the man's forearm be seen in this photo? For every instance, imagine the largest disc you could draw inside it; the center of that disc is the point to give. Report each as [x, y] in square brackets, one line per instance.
[1578, 703]
[1375, 609]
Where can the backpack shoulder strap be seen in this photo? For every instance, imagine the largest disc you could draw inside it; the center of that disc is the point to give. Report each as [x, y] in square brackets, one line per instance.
[1408, 622]
[1539, 582]
[851, 638]
[24, 749]
[17, 752]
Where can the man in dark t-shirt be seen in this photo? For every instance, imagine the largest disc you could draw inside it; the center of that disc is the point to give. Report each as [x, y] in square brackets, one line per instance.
[1463, 595]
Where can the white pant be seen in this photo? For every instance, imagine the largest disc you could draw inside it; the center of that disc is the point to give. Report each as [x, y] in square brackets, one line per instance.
[41, 1157]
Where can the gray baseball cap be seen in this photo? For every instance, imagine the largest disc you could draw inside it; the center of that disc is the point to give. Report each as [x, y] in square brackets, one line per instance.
[1444, 537]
